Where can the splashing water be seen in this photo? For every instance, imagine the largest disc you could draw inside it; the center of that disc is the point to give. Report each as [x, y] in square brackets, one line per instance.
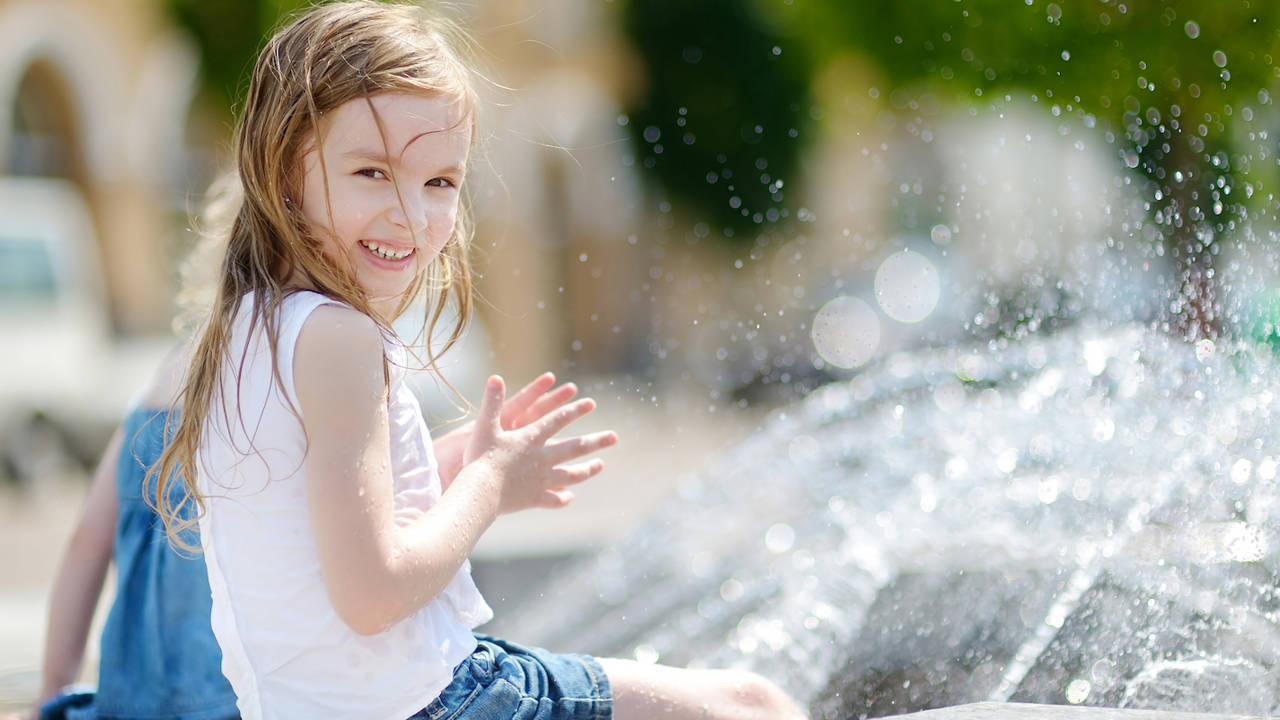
[1089, 517]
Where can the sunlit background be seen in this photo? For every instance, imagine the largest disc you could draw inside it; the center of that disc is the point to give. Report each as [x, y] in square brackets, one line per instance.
[699, 211]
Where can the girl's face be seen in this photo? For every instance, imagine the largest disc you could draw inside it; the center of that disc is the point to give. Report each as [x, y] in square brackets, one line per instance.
[386, 237]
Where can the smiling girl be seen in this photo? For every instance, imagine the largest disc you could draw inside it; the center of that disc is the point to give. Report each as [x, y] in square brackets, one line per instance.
[336, 541]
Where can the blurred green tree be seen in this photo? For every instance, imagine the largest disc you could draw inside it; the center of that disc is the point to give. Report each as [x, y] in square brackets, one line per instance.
[722, 118]
[228, 34]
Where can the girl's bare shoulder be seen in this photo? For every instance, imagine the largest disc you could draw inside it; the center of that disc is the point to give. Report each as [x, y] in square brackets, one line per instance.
[339, 350]
[336, 327]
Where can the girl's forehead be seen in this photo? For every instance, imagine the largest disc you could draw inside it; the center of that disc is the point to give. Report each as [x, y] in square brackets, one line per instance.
[402, 119]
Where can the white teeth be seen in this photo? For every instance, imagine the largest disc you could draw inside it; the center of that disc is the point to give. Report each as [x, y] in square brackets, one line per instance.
[386, 253]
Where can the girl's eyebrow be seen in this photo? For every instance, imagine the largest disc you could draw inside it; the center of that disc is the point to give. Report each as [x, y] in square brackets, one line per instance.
[365, 154]
[381, 157]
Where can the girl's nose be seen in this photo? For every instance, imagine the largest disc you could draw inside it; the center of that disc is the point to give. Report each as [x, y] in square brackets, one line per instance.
[407, 214]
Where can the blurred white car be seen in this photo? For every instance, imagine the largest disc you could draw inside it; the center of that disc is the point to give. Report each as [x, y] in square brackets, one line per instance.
[64, 378]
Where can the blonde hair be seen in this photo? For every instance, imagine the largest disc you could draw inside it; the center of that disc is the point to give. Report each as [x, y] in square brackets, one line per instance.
[328, 56]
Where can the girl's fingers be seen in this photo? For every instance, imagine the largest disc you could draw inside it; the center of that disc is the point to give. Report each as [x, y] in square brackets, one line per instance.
[556, 498]
[575, 473]
[559, 451]
[519, 403]
[556, 421]
[488, 419]
[547, 403]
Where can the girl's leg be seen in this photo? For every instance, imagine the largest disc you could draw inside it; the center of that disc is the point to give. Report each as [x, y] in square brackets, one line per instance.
[665, 693]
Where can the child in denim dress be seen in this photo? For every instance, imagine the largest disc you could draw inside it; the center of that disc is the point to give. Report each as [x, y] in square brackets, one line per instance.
[335, 532]
[158, 657]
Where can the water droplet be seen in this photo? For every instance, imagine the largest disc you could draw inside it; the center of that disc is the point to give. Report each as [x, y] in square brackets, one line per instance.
[652, 134]
[1241, 469]
[1245, 544]
[1078, 691]
[949, 395]
[1066, 54]
[1104, 429]
[646, 654]
[1103, 672]
[779, 538]
[846, 332]
[1095, 356]
[1193, 29]
[908, 286]
[1267, 468]
[1204, 349]
[1219, 58]
[1007, 460]
[731, 590]
[940, 234]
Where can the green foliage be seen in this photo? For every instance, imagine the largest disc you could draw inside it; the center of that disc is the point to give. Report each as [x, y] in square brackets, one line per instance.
[1172, 80]
[229, 34]
[1100, 51]
[1171, 77]
[725, 112]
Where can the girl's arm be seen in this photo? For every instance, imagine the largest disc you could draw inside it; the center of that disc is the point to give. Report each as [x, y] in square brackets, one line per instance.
[80, 576]
[376, 572]
[531, 404]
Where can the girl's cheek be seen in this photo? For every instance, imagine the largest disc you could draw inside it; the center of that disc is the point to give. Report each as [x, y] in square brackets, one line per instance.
[441, 233]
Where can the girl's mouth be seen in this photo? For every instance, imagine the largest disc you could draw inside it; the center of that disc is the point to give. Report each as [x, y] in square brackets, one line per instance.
[386, 253]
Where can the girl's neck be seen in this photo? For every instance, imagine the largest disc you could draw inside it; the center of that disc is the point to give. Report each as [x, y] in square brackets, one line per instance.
[383, 310]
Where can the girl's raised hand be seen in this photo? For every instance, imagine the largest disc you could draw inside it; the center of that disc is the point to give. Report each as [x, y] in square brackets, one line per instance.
[534, 401]
[531, 403]
[532, 468]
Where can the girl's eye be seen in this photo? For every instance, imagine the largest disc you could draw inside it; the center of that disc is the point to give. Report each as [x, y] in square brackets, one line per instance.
[373, 173]
[441, 182]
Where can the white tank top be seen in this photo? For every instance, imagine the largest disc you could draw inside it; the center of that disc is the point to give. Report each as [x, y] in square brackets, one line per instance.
[285, 650]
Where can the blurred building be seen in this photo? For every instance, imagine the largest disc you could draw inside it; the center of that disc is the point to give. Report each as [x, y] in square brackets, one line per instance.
[99, 92]
[559, 207]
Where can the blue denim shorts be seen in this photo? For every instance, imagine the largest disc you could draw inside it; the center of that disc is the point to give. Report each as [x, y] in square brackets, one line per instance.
[505, 681]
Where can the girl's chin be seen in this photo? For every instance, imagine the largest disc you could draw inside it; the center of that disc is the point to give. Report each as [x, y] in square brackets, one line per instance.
[388, 304]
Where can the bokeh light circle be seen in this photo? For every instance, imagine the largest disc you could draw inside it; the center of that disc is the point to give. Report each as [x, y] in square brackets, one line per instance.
[846, 332]
[908, 286]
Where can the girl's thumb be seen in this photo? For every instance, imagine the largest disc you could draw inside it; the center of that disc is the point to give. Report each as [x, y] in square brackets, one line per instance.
[489, 417]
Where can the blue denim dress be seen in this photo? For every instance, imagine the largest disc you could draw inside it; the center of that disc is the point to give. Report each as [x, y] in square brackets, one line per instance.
[159, 659]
